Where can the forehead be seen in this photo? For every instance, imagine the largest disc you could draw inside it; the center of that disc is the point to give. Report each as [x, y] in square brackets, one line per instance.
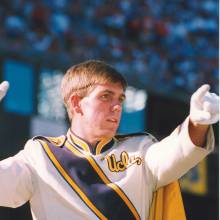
[115, 88]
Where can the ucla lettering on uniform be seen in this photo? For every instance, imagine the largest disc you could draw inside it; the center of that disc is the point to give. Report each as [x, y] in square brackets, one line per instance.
[125, 162]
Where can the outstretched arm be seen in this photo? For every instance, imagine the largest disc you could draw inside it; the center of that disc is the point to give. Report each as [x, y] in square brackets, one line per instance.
[173, 156]
[15, 181]
[15, 176]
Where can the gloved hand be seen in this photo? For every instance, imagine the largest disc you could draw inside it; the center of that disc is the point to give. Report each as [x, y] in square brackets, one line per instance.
[204, 106]
[3, 89]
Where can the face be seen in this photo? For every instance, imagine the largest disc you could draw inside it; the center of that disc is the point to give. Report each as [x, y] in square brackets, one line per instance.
[101, 110]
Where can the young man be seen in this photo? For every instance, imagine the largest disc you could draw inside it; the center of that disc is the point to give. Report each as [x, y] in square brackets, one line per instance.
[92, 174]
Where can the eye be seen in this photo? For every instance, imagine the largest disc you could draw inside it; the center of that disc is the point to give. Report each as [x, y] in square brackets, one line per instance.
[105, 97]
[121, 99]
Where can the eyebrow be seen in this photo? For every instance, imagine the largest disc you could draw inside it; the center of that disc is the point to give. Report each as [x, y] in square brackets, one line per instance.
[111, 92]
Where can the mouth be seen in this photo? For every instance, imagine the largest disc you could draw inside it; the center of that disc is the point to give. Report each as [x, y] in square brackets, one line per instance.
[112, 120]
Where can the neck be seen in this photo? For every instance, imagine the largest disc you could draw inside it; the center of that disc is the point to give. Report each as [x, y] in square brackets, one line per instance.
[81, 133]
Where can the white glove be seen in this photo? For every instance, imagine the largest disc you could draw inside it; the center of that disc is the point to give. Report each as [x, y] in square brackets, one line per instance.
[204, 106]
[3, 89]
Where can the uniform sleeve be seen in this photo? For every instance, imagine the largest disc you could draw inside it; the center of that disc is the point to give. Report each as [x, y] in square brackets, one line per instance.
[172, 157]
[15, 179]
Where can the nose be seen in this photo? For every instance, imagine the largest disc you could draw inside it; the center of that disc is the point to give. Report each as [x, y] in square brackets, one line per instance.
[117, 107]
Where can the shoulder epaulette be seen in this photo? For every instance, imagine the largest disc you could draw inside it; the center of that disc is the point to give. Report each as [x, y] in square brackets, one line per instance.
[122, 137]
[57, 141]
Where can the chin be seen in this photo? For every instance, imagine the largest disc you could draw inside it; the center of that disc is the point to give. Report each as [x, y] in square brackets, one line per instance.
[108, 133]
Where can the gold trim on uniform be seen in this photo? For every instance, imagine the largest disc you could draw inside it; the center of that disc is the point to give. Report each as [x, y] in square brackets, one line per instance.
[71, 182]
[78, 141]
[101, 144]
[105, 179]
[57, 141]
[81, 143]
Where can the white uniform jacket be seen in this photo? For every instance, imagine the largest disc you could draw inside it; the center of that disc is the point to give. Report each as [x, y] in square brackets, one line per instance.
[64, 178]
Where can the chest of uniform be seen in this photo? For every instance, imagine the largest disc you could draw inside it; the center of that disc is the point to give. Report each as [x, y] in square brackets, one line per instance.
[99, 181]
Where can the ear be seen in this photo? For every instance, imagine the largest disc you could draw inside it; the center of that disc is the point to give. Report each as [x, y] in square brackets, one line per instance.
[75, 104]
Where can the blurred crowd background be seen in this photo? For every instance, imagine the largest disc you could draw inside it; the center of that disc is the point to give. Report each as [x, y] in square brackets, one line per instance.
[173, 44]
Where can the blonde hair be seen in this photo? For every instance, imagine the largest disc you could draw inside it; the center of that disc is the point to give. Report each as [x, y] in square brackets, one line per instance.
[80, 78]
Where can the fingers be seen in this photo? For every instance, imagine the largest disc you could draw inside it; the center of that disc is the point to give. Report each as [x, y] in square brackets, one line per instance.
[4, 86]
[199, 94]
[199, 116]
[205, 115]
[211, 102]
[204, 106]
[208, 107]
[3, 89]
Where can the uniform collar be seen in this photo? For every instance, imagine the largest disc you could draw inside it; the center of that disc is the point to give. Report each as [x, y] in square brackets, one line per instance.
[101, 146]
